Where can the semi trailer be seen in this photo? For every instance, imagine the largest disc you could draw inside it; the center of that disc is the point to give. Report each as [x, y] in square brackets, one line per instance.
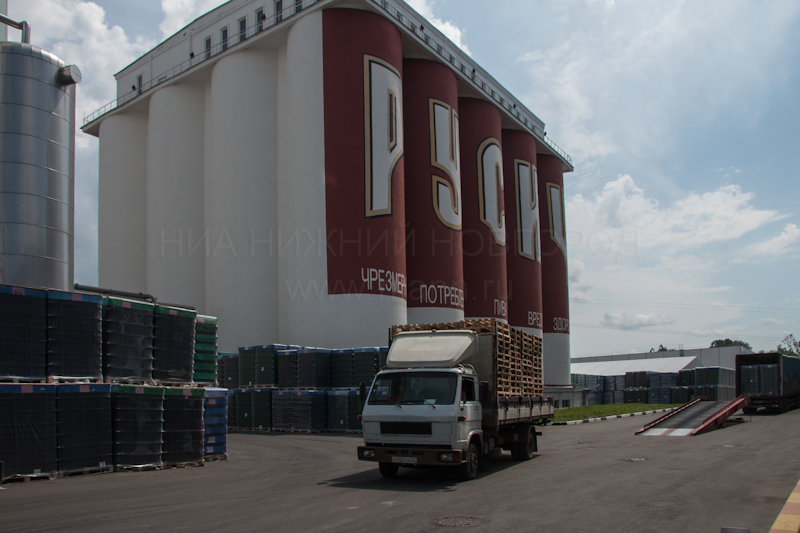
[771, 380]
[452, 394]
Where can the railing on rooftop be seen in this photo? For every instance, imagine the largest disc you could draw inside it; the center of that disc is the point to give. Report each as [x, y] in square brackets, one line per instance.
[452, 55]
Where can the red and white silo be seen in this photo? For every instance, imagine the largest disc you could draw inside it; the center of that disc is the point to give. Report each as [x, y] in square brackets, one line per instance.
[484, 231]
[355, 270]
[524, 257]
[555, 289]
[433, 193]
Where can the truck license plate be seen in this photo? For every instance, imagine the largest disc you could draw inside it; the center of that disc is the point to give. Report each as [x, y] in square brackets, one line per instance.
[405, 460]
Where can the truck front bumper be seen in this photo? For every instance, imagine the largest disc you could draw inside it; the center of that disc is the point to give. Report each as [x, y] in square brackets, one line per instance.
[410, 456]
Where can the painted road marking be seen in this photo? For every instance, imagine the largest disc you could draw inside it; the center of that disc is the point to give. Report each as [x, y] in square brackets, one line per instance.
[789, 519]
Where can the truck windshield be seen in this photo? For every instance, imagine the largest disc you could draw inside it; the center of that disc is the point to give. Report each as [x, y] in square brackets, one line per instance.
[410, 388]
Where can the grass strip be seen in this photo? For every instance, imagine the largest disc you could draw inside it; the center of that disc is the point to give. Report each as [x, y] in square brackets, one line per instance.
[597, 411]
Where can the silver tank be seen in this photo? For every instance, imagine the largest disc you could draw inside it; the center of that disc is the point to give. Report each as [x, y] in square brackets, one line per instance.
[37, 167]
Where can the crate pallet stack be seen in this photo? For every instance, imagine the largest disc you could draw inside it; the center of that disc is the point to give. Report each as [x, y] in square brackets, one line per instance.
[23, 334]
[74, 336]
[342, 369]
[365, 365]
[182, 430]
[344, 407]
[205, 369]
[266, 362]
[173, 344]
[28, 430]
[287, 369]
[715, 382]
[215, 424]
[231, 409]
[127, 340]
[261, 399]
[282, 410]
[244, 408]
[137, 424]
[308, 410]
[314, 368]
[247, 366]
[228, 365]
[84, 428]
[680, 394]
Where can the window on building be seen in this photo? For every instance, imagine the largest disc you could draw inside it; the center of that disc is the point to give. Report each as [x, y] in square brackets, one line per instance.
[298, 6]
[139, 84]
[555, 404]
[243, 29]
[224, 38]
[278, 10]
[564, 403]
[260, 17]
[208, 47]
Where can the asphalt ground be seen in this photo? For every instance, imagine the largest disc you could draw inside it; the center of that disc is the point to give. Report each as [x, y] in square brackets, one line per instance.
[596, 477]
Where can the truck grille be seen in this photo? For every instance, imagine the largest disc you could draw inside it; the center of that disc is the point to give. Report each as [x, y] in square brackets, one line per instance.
[406, 428]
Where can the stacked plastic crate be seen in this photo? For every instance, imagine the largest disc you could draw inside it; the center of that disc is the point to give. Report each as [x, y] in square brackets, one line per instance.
[23, 334]
[342, 369]
[261, 402]
[83, 416]
[247, 367]
[215, 424]
[228, 365]
[287, 369]
[244, 408]
[137, 423]
[28, 430]
[205, 369]
[344, 407]
[266, 363]
[313, 368]
[282, 410]
[127, 340]
[182, 431]
[173, 344]
[308, 410]
[74, 335]
[365, 365]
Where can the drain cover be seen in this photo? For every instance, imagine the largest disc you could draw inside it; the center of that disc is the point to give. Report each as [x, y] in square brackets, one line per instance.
[456, 521]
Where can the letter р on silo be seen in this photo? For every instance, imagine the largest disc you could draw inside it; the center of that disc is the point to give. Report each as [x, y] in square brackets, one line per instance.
[555, 290]
[524, 258]
[433, 193]
[364, 189]
[484, 233]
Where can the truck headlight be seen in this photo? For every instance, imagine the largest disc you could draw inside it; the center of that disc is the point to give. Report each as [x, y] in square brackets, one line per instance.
[447, 457]
[368, 454]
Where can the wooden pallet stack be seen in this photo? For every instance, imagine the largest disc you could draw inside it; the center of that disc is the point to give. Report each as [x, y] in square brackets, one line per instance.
[518, 354]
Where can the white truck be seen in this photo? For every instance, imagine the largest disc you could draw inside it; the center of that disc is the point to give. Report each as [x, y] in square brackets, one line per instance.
[452, 396]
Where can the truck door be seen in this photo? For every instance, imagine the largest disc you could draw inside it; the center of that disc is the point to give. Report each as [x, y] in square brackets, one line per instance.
[470, 407]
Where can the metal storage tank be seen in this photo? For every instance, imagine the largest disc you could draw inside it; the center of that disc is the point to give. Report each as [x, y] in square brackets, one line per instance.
[484, 235]
[555, 289]
[241, 197]
[433, 193]
[524, 257]
[37, 166]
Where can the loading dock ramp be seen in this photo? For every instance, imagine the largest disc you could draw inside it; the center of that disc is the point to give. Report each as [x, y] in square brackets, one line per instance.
[696, 417]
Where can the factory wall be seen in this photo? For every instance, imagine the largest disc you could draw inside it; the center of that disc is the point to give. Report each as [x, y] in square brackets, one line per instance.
[320, 188]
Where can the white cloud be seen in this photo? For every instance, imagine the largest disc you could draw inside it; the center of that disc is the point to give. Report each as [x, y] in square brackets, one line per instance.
[769, 321]
[775, 246]
[448, 28]
[179, 13]
[634, 321]
[621, 220]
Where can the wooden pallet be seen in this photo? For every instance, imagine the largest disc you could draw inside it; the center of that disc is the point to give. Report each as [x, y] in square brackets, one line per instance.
[60, 380]
[83, 472]
[24, 478]
[137, 468]
[220, 456]
[182, 384]
[187, 464]
[22, 381]
[132, 382]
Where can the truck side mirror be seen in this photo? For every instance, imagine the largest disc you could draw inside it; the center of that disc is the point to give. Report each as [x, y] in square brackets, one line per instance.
[362, 392]
[483, 391]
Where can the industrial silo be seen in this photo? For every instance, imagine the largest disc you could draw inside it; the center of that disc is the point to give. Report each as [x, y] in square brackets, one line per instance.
[37, 165]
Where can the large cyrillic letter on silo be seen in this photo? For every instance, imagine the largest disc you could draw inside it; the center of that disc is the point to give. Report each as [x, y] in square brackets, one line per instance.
[490, 188]
[383, 132]
[527, 211]
[558, 231]
[445, 157]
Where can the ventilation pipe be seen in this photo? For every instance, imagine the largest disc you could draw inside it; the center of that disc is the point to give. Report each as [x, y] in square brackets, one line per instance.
[24, 26]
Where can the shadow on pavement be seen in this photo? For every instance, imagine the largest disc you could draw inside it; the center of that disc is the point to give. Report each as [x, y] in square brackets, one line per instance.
[430, 479]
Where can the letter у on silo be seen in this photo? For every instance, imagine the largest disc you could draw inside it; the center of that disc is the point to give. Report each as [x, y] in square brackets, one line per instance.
[364, 189]
[524, 258]
[555, 289]
[433, 193]
[484, 233]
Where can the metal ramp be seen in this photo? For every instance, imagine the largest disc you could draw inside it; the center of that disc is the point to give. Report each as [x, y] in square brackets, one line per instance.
[696, 417]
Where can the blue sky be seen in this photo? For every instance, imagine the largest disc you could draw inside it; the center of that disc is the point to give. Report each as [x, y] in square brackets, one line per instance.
[682, 119]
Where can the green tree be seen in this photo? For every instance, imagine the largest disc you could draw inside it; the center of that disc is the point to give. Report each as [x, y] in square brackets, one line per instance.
[789, 346]
[662, 348]
[728, 342]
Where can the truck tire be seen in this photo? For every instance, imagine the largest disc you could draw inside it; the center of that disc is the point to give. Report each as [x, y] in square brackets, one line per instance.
[469, 469]
[526, 447]
[388, 469]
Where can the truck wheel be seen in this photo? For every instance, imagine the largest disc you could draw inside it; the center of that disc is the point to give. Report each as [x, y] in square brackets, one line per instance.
[469, 469]
[388, 469]
[526, 447]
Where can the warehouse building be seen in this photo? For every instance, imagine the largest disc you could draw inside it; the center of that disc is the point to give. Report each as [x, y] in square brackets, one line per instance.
[313, 172]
